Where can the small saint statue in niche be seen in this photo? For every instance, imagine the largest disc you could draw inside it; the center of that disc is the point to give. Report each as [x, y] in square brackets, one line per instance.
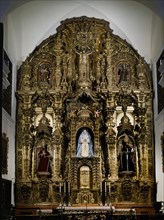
[126, 155]
[44, 161]
[44, 73]
[123, 72]
[85, 145]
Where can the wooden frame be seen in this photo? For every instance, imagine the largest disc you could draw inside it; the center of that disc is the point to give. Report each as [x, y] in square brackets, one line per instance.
[5, 147]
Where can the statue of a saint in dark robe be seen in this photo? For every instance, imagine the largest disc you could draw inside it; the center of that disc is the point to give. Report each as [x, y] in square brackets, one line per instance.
[44, 161]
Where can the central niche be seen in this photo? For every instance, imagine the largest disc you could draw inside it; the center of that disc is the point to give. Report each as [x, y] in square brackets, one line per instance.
[84, 143]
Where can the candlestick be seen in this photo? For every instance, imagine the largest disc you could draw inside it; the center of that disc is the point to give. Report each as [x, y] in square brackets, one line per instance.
[68, 188]
[64, 187]
[60, 187]
[109, 189]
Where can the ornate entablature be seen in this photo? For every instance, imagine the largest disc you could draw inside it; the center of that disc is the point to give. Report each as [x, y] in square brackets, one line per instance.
[84, 120]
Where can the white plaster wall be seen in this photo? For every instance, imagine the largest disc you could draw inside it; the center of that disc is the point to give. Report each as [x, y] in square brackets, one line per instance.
[34, 21]
[157, 38]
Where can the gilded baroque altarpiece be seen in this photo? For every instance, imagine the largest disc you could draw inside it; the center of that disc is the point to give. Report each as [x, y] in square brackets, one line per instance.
[84, 120]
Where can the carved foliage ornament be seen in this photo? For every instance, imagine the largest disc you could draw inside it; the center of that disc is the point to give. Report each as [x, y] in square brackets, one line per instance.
[83, 78]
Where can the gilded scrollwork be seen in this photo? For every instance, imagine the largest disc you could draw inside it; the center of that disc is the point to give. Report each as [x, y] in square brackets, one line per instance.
[84, 78]
[24, 193]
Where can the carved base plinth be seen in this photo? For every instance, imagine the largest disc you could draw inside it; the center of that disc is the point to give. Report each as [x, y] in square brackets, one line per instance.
[86, 212]
[140, 208]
